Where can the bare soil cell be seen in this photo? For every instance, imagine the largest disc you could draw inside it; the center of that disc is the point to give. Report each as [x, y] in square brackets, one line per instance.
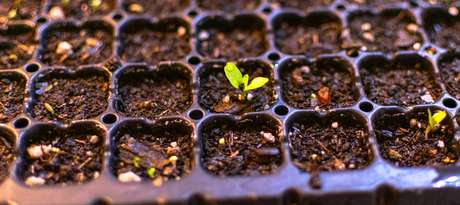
[329, 144]
[151, 94]
[451, 78]
[443, 31]
[216, 94]
[154, 146]
[301, 79]
[82, 8]
[71, 98]
[140, 42]
[87, 45]
[300, 4]
[155, 8]
[229, 6]
[17, 46]
[7, 153]
[375, 3]
[25, 9]
[402, 140]
[387, 32]
[248, 149]
[12, 92]
[113, 64]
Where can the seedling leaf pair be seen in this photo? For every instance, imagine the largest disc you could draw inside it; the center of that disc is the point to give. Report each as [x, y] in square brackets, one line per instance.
[236, 79]
[434, 120]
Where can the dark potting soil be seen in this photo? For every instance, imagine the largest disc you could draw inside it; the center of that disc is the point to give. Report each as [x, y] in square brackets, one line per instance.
[229, 6]
[386, 33]
[245, 150]
[375, 3]
[317, 147]
[78, 160]
[25, 9]
[216, 94]
[12, 94]
[238, 43]
[300, 4]
[83, 8]
[446, 36]
[402, 141]
[113, 64]
[6, 157]
[71, 99]
[451, 78]
[301, 81]
[399, 84]
[442, 3]
[296, 39]
[16, 47]
[143, 44]
[88, 46]
[155, 8]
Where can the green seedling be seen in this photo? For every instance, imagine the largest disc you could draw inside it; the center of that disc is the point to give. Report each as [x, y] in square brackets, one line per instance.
[13, 13]
[236, 79]
[49, 108]
[65, 1]
[136, 161]
[95, 3]
[151, 172]
[434, 120]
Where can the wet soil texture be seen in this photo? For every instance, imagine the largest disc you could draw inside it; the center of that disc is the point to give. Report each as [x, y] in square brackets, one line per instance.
[155, 8]
[84, 8]
[375, 3]
[7, 153]
[20, 9]
[402, 141]
[142, 42]
[450, 76]
[302, 79]
[228, 6]
[151, 94]
[17, 45]
[217, 95]
[241, 149]
[12, 92]
[300, 4]
[66, 45]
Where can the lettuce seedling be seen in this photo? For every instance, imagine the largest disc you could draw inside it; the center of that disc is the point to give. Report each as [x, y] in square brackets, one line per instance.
[136, 161]
[434, 120]
[238, 81]
[151, 172]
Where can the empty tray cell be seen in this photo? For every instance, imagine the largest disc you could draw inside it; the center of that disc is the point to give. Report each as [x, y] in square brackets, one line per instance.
[375, 3]
[449, 65]
[442, 3]
[17, 46]
[300, 4]
[7, 151]
[66, 44]
[217, 95]
[442, 28]
[388, 32]
[80, 8]
[162, 151]
[229, 6]
[142, 41]
[12, 92]
[318, 33]
[165, 90]
[155, 8]
[404, 81]
[242, 37]
[326, 82]
[249, 147]
[64, 97]
[403, 141]
[20, 9]
[335, 142]
[54, 155]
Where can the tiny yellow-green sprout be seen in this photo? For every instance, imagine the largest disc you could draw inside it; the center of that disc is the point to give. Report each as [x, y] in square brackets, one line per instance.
[49, 108]
[434, 120]
[54, 149]
[65, 1]
[313, 95]
[173, 158]
[13, 57]
[136, 161]
[95, 3]
[151, 172]
[221, 141]
[13, 13]
[236, 79]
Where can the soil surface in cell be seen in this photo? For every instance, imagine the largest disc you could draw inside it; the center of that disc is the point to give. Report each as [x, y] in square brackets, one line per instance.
[70, 99]
[333, 86]
[229, 6]
[6, 157]
[150, 46]
[386, 34]
[301, 4]
[16, 48]
[296, 39]
[155, 8]
[400, 84]
[218, 95]
[20, 9]
[63, 159]
[84, 8]
[402, 141]
[375, 3]
[168, 153]
[241, 150]
[113, 64]
[331, 147]
[442, 3]
[446, 36]
[451, 78]
[70, 47]
[11, 98]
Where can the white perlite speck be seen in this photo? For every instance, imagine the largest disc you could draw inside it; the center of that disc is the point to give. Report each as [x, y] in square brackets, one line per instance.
[36, 151]
[129, 177]
[427, 98]
[173, 144]
[366, 26]
[56, 13]
[181, 30]
[453, 11]
[32, 181]
[64, 48]
[203, 35]
[440, 144]
[335, 124]
[226, 99]
[268, 136]
[94, 139]
[250, 96]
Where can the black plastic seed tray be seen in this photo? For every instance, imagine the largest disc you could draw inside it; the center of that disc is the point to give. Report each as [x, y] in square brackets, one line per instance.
[184, 45]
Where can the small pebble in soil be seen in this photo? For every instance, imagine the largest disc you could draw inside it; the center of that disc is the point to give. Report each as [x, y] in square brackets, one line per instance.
[440, 144]
[366, 26]
[335, 125]
[453, 11]
[129, 177]
[412, 28]
[268, 136]
[32, 181]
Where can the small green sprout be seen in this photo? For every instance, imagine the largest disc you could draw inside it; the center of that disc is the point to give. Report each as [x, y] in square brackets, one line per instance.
[221, 141]
[236, 79]
[173, 158]
[49, 108]
[95, 3]
[136, 161]
[54, 149]
[13, 13]
[151, 172]
[434, 120]
[313, 95]
[65, 1]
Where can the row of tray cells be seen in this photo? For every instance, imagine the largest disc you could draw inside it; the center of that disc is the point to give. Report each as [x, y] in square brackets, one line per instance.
[139, 91]
[249, 147]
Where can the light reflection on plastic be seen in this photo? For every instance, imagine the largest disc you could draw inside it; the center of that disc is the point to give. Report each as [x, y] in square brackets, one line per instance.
[450, 181]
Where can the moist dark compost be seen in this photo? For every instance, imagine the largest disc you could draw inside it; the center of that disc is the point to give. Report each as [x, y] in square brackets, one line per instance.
[70, 98]
[166, 91]
[69, 46]
[216, 94]
[140, 42]
[12, 92]
[402, 140]
[155, 8]
[20, 9]
[451, 78]
[446, 36]
[17, 45]
[300, 4]
[333, 146]
[325, 79]
[7, 153]
[84, 8]
[228, 6]
[375, 3]
[241, 149]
